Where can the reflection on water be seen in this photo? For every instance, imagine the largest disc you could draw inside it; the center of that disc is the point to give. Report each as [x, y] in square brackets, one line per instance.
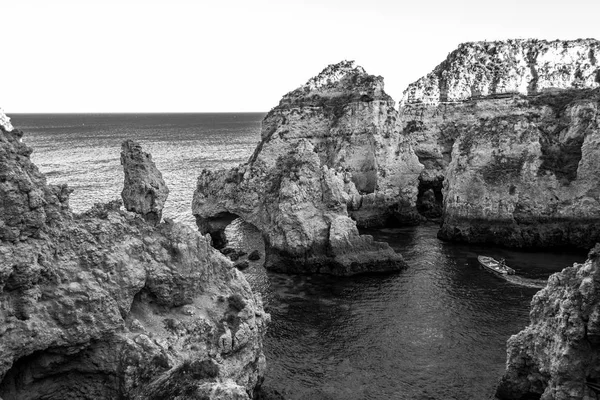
[435, 331]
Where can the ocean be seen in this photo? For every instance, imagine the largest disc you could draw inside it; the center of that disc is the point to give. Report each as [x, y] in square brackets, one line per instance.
[435, 331]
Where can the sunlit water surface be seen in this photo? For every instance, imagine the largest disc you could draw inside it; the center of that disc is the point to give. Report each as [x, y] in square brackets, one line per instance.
[83, 150]
[435, 331]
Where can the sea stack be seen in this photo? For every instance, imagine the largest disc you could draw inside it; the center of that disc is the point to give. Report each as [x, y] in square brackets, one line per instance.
[144, 190]
[330, 150]
[512, 130]
[104, 305]
[300, 207]
[556, 356]
[352, 123]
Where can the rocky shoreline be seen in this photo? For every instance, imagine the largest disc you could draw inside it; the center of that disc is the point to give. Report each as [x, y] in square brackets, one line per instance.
[500, 143]
[107, 305]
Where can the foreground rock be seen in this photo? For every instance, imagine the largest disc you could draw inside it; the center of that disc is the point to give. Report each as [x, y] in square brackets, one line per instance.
[557, 355]
[300, 207]
[512, 130]
[104, 305]
[144, 190]
[353, 125]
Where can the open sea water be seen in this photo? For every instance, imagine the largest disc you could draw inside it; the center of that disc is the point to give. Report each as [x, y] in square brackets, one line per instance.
[435, 331]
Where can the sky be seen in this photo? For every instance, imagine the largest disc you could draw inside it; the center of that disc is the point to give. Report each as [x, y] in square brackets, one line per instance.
[242, 56]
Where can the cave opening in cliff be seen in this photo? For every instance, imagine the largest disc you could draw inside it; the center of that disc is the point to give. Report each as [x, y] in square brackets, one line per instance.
[430, 198]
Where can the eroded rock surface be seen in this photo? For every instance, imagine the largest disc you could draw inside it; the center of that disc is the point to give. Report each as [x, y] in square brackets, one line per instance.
[27, 203]
[103, 305]
[512, 129]
[558, 353]
[300, 206]
[144, 190]
[353, 125]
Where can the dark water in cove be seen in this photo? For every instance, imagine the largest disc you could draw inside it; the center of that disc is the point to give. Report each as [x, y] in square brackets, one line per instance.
[435, 331]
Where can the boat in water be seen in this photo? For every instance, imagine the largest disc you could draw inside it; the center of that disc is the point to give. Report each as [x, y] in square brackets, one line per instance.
[498, 267]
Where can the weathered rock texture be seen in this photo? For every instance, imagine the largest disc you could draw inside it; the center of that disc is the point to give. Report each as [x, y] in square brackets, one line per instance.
[300, 206]
[27, 204]
[559, 352]
[103, 305]
[144, 190]
[353, 125]
[512, 129]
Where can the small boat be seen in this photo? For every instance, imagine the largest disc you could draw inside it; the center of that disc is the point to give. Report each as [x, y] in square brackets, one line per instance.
[498, 267]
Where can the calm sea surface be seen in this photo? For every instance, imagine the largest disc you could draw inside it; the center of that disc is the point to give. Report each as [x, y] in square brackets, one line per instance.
[435, 331]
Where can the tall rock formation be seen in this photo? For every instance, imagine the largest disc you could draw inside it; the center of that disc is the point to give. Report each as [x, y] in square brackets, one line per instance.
[558, 354]
[300, 207]
[103, 305]
[512, 129]
[144, 190]
[353, 125]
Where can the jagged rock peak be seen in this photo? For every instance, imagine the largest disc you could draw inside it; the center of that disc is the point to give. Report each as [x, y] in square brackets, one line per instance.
[334, 73]
[5, 121]
[144, 190]
[516, 66]
[342, 79]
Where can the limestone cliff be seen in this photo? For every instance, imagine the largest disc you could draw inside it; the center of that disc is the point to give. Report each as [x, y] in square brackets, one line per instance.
[524, 66]
[300, 207]
[144, 190]
[512, 129]
[103, 305]
[353, 125]
[557, 356]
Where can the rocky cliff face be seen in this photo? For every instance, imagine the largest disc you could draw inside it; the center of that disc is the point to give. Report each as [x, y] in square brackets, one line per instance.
[144, 190]
[511, 128]
[105, 305]
[353, 125]
[300, 206]
[524, 66]
[557, 355]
